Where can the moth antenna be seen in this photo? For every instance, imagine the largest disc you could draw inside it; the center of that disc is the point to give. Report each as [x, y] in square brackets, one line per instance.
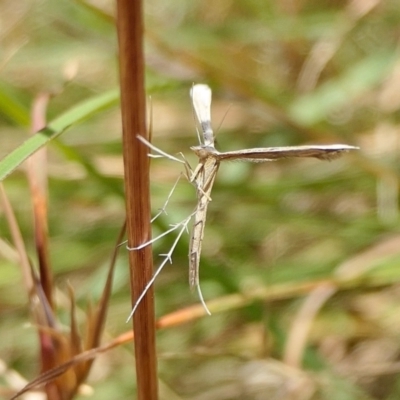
[223, 118]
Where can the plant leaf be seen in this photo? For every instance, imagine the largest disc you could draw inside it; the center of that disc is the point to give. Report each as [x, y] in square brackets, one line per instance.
[76, 114]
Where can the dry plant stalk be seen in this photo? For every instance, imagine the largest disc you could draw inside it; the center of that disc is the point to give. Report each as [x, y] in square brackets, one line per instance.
[136, 166]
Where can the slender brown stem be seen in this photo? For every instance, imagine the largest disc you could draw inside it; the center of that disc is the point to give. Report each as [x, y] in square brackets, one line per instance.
[37, 173]
[136, 164]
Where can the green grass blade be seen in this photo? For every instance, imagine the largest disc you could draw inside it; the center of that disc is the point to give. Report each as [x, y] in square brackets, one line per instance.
[12, 108]
[75, 115]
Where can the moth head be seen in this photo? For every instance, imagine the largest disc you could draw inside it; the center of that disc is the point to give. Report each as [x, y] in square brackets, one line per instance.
[203, 151]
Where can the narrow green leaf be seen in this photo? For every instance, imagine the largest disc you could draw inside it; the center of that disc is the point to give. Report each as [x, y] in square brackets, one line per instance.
[75, 115]
[12, 108]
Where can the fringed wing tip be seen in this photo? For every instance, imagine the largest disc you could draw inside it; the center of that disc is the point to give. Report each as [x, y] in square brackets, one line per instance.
[334, 153]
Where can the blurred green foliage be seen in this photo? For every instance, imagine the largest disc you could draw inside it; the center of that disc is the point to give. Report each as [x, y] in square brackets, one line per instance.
[282, 73]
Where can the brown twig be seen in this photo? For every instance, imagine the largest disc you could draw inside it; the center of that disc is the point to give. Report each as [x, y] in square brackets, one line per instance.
[136, 164]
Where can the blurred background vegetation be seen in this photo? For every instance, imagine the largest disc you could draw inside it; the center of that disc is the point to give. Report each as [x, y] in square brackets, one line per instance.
[312, 247]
